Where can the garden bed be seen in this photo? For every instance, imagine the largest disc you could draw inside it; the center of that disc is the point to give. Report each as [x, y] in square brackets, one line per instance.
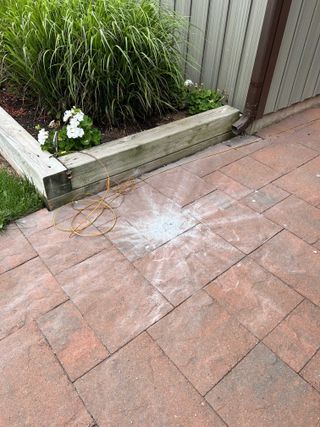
[72, 176]
[26, 113]
[116, 63]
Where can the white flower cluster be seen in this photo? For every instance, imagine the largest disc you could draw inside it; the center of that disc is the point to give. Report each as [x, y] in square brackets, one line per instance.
[188, 83]
[74, 117]
[43, 135]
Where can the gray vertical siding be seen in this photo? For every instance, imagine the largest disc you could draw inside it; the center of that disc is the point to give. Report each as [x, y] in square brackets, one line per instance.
[297, 73]
[223, 37]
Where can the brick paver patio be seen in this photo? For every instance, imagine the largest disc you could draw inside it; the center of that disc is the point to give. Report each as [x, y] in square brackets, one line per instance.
[201, 308]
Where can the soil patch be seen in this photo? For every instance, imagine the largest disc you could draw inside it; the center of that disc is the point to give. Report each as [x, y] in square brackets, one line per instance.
[23, 111]
[28, 115]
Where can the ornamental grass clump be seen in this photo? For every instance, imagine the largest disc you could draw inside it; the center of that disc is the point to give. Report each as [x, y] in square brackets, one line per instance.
[118, 60]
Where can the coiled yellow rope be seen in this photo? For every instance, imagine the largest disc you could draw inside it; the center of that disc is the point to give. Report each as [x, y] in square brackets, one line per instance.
[95, 207]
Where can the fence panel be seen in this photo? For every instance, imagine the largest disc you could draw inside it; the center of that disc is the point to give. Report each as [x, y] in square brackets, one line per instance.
[250, 45]
[297, 72]
[221, 39]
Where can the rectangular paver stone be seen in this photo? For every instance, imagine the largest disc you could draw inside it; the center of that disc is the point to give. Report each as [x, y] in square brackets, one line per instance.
[203, 340]
[311, 372]
[213, 162]
[115, 300]
[43, 219]
[60, 251]
[180, 185]
[14, 249]
[251, 173]
[26, 292]
[307, 135]
[293, 122]
[298, 217]
[254, 146]
[185, 264]
[34, 389]
[139, 386]
[265, 198]
[228, 185]
[258, 299]
[263, 391]
[284, 155]
[130, 242]
[293, 261]
[72, 340]
[236, 223]
[304, 182]
[153, 215]
[297, 338]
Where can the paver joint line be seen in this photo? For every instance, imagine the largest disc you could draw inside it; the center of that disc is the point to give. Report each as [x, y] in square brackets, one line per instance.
[93, 422]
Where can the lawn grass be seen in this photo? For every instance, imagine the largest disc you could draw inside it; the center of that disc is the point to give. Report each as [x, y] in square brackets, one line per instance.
[18, 197]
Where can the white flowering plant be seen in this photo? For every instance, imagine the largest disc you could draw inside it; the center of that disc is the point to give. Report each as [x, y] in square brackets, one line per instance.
[74, 133]
[197, 99]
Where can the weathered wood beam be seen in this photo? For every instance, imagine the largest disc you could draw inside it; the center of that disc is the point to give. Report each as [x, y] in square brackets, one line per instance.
[74, 175]
[24, 154]
[135, 151]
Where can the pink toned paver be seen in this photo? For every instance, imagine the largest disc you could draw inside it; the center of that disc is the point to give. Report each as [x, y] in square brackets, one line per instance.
[26, 292]
[297, 338]
[200, 308]
[251, 173]
[180, 185]
[59, 250]
[72, 340]
[153, 216]
[265, 198]
[34, 389]
[293, 261]
[284, 156]
[130, 242]
[115, 300]
[304, 182]
[258, 299]
[311, 372]
[187, 263]
[236, 223]
[307, 135]
[291, 123]
[298, 217]
[14, 249]
[228, 185]
[43, 219]
[255, 145]
[213, 162]
[203, 340]
[140, 386]
[263, 391]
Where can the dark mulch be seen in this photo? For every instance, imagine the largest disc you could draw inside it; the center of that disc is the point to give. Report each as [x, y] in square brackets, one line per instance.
[116, 133]
[25, 112]
[28, 115]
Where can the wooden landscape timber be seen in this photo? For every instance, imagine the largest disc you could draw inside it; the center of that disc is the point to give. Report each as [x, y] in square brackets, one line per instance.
[24, 154]
[72, 176]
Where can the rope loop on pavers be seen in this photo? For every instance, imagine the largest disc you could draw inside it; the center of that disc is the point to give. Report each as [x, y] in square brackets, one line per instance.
[96, 206]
